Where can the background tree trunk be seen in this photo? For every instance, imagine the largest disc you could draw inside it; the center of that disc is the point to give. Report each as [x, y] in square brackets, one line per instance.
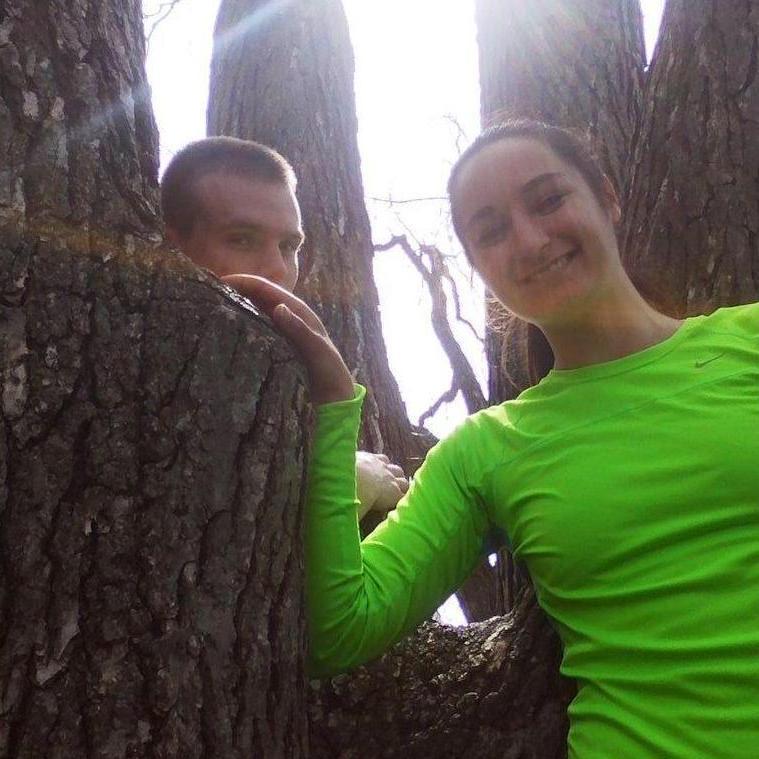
[692, 212]
[151, 435]
[296, 63]
[575, 63]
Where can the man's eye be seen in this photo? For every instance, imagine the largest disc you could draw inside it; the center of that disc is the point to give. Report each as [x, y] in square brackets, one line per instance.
[550, 202]
[241, 241]
[290, 246]
[492, 235]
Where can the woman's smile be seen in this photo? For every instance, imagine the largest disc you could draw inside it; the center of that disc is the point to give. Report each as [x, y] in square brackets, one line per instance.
[556, 264]
[539, 236]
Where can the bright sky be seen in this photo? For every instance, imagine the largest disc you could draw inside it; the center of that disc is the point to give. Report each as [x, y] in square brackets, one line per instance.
[417, 91]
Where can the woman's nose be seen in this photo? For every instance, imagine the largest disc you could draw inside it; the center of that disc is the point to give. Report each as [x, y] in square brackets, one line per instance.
[528, 234]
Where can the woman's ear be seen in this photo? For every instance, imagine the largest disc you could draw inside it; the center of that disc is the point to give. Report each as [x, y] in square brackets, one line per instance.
[612, 201]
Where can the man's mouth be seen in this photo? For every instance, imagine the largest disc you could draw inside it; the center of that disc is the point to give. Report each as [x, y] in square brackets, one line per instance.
[555, 264]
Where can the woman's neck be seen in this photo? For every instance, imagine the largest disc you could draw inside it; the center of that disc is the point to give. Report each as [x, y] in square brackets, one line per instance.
[612, 327]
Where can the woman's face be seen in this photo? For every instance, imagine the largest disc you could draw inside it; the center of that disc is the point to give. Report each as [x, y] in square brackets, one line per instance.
[534, 230]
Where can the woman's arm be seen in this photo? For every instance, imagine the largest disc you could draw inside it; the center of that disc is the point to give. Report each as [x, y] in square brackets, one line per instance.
[362, 597]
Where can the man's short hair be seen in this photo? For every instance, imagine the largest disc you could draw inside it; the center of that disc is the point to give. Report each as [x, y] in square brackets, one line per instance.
[225, 155]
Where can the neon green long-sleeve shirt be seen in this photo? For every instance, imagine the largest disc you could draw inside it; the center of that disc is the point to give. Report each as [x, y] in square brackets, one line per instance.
[630, 489]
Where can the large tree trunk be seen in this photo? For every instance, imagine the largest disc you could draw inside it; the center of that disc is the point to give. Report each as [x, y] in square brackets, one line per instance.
[284, 76]
[151, 440]
[692, 214]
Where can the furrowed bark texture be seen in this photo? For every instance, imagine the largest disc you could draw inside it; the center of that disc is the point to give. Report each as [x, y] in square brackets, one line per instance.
[577, 63]
[487, 690]
[77, 136]
[692, 216]
[151, 436]
[282, 73]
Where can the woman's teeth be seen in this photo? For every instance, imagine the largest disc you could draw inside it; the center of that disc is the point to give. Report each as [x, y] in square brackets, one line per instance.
[555, 265]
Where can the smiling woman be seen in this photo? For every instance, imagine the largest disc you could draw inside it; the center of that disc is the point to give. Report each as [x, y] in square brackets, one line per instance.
[617, 479]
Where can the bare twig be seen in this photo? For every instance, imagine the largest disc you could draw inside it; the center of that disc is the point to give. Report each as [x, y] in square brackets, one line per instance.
[393, 202]
[464, 378]
[461, 136]
[163, 11]
[447, 397]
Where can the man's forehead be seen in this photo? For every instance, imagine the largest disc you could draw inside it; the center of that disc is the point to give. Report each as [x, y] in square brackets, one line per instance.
[215, 181]
[228, 198]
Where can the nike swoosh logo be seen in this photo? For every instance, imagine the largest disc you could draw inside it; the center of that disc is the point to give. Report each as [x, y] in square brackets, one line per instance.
[702, 364]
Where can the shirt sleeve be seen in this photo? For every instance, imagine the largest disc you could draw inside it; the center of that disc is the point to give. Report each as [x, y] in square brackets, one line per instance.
[362, 597]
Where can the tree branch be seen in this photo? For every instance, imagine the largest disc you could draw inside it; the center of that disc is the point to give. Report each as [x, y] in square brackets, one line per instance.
[463, 375]
[393, 202]
[163, 11]
[438, 261]
[447, 397]
[487, 689]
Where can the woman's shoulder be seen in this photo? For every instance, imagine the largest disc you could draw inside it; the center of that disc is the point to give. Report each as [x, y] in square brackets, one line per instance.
[740, 320]
[482, 438]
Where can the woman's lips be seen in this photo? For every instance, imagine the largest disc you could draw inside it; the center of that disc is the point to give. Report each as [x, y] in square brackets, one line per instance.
[555, 264]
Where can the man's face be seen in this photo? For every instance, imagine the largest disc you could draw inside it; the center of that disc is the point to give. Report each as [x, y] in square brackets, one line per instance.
[246, 226]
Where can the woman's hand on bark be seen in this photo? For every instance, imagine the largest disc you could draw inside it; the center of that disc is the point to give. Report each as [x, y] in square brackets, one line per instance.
[328, 377]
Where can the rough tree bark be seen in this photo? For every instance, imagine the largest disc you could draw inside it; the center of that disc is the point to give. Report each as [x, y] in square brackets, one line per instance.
[490, 690]
[283, 75]
[151, 435]
[692, 213]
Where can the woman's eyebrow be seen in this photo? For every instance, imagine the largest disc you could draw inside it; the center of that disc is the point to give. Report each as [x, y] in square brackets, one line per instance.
[538, 180]
[483, 214]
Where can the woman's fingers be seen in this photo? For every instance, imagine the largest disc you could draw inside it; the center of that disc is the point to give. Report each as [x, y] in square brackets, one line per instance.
[267, 296]
[329, 378]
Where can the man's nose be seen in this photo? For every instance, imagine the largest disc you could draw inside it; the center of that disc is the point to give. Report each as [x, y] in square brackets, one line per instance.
[276, 268]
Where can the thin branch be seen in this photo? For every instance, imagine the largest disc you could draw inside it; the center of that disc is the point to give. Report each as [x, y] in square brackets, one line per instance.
[163, 11]
[463, 375]
[447, 397]
[440, 268]
[393, 202]
[461, 136]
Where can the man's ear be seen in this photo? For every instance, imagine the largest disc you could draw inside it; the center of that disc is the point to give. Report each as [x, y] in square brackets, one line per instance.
[612, 201]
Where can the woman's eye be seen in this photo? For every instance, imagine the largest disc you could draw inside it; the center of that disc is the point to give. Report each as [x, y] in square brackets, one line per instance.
[550, 202]
[492, 235]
